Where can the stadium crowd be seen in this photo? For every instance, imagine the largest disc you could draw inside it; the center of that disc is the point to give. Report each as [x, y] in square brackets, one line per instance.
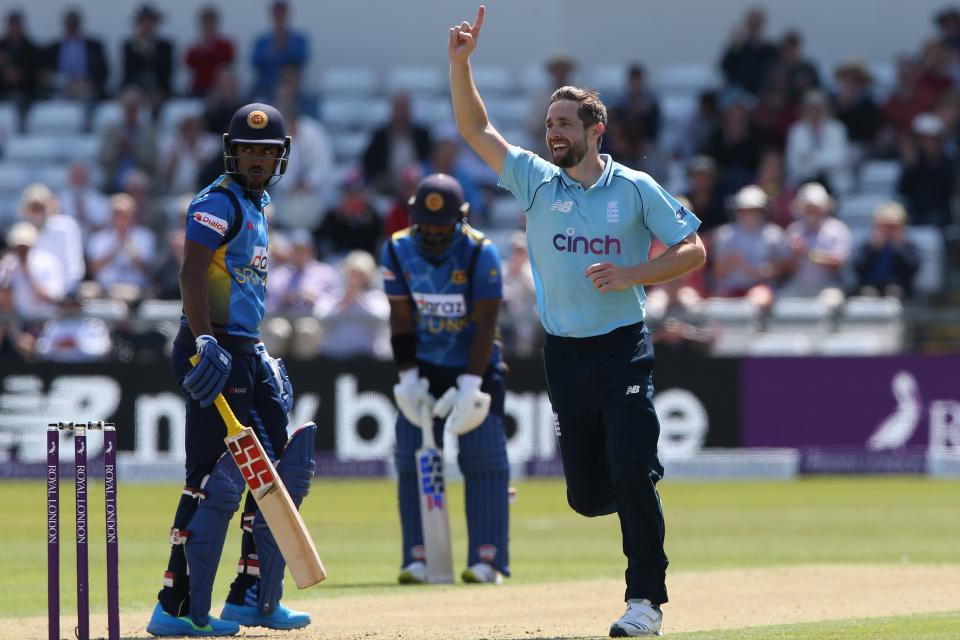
[780, 160]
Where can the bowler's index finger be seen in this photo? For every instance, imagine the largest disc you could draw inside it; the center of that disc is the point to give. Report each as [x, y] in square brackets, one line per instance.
[479, 21]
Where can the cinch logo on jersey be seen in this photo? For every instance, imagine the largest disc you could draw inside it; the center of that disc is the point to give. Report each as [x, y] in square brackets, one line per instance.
[572, 243]
[259, 259]
[441, 305]
[211, 222]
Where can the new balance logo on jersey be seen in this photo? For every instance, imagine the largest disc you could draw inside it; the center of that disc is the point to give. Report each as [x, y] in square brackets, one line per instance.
[632, 389]
[572, 243]
[562, 206]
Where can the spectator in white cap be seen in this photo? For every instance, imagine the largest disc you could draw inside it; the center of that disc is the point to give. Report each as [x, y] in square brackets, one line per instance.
[57, 234]
[750, 253]
[817, 146]
[820, 244]
[927, 177]
[32, 280]
[887, 262]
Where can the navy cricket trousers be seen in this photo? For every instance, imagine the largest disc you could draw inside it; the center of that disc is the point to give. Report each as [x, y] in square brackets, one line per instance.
[601, 389]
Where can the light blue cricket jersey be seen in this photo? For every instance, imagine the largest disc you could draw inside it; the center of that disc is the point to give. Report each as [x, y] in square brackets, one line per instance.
[569, 228]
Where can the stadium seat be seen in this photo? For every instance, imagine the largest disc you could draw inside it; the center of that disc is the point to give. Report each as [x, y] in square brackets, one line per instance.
[493, 80]
[505, 212]
[432, 111]
[416, 80]
[33, 150]
[355, 113]
[106, 309]
[533, 79]
[159, 310]
[517, 136]
[857, 209]
[792, 314]
[105, 114]
[884, 77]
[9, 121]
[13, 178]
[350, 145]
[879, 177]
[175, 110]
[55, 117]
[930, 278]
[788, 343]
[677, 108]
[609, 79]
[506, 113]
[736, 321]
[349, 82]
[688, 79]
[54, 176]
[501, 239]
[878, 317]
[81, 149]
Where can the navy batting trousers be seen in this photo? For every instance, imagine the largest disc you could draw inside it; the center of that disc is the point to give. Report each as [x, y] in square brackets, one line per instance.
[601, 389]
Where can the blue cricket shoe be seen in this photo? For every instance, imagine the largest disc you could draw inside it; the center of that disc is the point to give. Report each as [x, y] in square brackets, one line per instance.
[282, 617]
[163, 624]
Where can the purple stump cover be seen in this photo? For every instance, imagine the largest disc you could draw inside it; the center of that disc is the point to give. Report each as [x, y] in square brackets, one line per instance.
[112, 530]
[83, 591]
[53, 530]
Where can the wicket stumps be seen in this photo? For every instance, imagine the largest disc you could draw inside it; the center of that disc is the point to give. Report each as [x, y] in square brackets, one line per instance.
[111, 527]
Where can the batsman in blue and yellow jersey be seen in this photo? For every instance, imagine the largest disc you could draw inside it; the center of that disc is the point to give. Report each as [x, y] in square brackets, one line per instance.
[444, 282]
[223, 282]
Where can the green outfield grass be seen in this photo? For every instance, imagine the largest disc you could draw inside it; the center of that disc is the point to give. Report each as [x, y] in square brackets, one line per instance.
[933, 626]
[709, 526]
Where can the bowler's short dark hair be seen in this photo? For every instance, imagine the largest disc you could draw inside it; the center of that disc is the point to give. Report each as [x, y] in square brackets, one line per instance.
[591, 111]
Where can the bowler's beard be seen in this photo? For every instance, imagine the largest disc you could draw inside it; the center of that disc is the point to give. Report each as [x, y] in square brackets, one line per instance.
[574, 154]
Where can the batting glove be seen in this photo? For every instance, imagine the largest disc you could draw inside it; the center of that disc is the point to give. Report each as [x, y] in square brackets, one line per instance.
[411, 393]
[467, 405]
[207, 378]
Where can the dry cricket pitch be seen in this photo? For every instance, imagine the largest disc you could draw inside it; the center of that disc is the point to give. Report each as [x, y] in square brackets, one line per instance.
[699, 601]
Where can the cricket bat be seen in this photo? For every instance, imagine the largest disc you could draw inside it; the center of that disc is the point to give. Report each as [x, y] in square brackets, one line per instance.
[275, 504]
[434, 518]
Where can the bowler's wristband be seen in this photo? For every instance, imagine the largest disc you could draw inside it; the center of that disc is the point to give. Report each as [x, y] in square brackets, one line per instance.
[404, 349]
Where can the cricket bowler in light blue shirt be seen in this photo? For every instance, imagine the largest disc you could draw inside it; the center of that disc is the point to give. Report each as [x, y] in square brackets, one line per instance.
[589, 227]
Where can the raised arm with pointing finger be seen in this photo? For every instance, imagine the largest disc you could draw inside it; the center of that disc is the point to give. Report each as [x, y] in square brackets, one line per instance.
[467, 106]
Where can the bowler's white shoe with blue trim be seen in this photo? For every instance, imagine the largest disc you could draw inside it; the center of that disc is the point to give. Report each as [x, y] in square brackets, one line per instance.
[642, 618]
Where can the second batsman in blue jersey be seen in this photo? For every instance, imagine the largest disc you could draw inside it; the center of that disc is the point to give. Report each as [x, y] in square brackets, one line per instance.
[223, 281]
[444, 281]
[589, 225]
